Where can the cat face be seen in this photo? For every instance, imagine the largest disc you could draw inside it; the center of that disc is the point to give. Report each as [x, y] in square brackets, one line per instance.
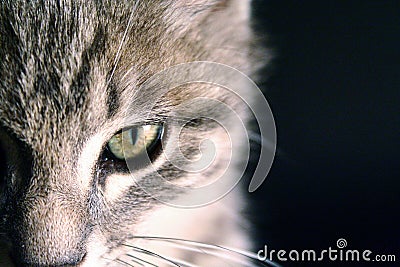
[81, 140]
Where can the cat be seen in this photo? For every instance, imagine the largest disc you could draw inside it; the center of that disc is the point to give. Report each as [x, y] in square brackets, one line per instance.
[75, 128]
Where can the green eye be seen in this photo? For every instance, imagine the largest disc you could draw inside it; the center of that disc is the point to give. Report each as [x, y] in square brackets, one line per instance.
[133, 142]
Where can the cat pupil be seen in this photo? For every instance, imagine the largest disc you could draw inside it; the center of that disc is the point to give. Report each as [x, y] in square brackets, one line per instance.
[133, 136]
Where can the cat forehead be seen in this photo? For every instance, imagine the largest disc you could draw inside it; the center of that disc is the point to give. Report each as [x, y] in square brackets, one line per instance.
[73, 63]
[53, 48]
[57, 61]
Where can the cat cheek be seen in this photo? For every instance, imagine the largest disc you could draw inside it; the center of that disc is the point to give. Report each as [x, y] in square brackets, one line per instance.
[116, 186]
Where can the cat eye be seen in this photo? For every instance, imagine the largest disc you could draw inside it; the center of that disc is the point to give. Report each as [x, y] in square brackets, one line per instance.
[135, 141]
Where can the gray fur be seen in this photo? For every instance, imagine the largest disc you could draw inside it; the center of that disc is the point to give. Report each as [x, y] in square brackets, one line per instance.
[68, 71]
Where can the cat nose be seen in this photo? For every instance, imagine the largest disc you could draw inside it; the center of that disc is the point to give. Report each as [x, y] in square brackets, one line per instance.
[50, 230]
[74, 261]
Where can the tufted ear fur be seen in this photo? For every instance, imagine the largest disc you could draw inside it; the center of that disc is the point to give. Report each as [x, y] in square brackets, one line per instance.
[223, 24]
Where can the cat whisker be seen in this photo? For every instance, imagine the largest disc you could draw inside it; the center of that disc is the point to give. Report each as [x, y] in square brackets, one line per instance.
[177, 261]
[153, 254]
[123, 262]
[217, 254]
[208, 248]
[110, 260]
[139, 260]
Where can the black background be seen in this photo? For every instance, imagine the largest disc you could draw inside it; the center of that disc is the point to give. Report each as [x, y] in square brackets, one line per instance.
[334, 89]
